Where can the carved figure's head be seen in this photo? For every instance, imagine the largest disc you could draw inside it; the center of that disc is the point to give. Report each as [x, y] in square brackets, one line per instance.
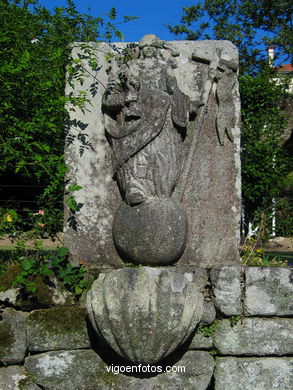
[150, 40]
[148, 45]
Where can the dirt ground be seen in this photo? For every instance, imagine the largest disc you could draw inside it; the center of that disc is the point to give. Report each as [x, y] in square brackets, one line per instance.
[278, 244]
[47, 242]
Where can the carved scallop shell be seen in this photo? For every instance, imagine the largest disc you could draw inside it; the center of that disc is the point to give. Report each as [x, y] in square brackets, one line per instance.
[144, 313]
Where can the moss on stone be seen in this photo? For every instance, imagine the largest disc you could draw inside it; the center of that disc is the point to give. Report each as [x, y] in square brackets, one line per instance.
[59, 319]
[29, 382]
[43, 293]
[6, 338]
[26, 383]
[6, 279]
[41, 298]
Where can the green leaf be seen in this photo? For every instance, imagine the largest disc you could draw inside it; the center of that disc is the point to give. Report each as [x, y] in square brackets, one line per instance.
[78, 290]
[74, 187]
[62, 251]
[67, 279]
[31, 287]
[71, 203]
[46, 271]
[28, 264]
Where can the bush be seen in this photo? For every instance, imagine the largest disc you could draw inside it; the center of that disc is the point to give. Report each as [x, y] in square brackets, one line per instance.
[34, 54]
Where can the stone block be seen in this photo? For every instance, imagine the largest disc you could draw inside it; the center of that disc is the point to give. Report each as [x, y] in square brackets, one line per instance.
[197, 374]
[13, 342]
[63, 370]
[57, 328]
[209, 313]
[15, 378]
[226, 287]
[200, 277]
[201, 342]
[255, 337]
[85, 370]
[47, 294]
[253, 373]
[200, 94]
[269, 291]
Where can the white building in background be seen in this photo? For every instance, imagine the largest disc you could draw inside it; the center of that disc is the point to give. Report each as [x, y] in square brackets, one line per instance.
[282, 70]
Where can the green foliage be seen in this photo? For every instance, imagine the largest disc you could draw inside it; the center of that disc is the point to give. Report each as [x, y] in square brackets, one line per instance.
[214, 352]
[42, 223]
[234, 320]
[70, 200]
[72, 205]
[9, 222]
[264, 161]
[246, 23]
[284, 226]
[34, 265]
[209, 330]
[252, 255]
[34, 54]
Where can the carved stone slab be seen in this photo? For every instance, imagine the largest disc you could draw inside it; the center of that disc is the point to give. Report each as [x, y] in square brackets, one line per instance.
[160, 130]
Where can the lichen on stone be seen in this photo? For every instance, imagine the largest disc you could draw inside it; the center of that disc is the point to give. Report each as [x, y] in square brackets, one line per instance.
[6, 337]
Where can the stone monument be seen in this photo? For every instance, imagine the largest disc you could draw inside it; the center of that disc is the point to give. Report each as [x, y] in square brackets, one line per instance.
[158, 163]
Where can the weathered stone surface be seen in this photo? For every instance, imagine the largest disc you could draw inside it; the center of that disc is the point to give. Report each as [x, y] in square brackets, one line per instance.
[253, 373]
[9, 296]
[198, 370]
[211, 198]
[12, 337]
[199, 275]
[47, 294]
[153, 232]
[10, 377]
[60, 296]
[201, 342]
[76, 370]
[269, 291]
[145, 313]
[88, 233]
[200, 80]
[209, 313]
[15, 378]
[226, 287]
[57, 328]
[255, 336]
[85, 370]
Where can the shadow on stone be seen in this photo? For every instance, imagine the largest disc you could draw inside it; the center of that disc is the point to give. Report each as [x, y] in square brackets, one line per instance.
[111, 358]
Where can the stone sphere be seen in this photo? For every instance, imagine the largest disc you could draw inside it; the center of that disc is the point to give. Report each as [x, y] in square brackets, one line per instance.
[153, 232]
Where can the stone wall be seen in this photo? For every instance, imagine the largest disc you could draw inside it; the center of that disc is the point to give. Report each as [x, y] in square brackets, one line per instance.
[244, 341]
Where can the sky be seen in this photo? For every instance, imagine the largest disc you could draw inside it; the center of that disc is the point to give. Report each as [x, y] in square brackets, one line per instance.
[153, 14]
